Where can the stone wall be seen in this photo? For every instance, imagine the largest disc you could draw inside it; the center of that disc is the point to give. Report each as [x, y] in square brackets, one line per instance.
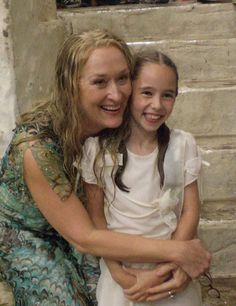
[202, 41]
[37, 35]
[7, 79]
[29, 40]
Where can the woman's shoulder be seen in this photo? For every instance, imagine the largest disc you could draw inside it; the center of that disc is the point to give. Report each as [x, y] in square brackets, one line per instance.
[48, 155]
[41, 137]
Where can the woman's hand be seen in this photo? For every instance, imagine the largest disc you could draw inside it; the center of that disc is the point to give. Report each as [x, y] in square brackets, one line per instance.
[146, 279]
[176, 283]
[193, 258]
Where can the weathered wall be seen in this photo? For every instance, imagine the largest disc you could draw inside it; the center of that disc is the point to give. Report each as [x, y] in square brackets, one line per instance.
[7, 79]
[30, 35]
[200, 38]
[37, 35]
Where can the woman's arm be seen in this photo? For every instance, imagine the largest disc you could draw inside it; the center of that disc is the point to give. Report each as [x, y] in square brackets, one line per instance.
[71, 220]
[95, 208]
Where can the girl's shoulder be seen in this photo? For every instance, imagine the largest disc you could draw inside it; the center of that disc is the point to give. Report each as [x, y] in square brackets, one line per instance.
[91, 141]
[181, 135]
[91, 145]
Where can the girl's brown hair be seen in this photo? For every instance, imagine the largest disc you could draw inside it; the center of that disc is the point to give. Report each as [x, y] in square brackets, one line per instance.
[163, 133]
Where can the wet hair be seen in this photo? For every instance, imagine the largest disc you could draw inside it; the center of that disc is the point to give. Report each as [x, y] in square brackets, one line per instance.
[62, 112]
[163, 133]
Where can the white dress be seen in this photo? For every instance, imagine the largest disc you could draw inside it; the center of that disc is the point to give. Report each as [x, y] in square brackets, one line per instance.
[146, 209]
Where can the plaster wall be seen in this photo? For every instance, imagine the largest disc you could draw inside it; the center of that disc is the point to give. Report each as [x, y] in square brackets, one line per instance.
[8, 108]
[36, 35]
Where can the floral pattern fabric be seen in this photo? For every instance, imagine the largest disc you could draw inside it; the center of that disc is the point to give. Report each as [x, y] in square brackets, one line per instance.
[39, 265]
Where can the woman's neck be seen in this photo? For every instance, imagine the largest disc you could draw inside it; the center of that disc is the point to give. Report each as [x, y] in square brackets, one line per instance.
[88, 131]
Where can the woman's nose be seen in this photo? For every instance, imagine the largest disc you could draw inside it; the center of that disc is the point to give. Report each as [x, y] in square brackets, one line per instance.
[114, 92]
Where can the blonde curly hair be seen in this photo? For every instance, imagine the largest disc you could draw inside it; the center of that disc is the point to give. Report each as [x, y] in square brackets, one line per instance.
[62, 111]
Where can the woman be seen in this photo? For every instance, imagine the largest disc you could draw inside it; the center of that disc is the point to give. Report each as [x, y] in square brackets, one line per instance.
[41, 216]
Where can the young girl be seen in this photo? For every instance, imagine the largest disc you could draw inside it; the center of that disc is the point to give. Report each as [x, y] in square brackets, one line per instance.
[147, 175]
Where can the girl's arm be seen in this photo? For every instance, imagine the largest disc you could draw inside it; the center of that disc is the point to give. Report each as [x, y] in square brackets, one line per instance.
[71, 220]
[188, 223]
[186, 229]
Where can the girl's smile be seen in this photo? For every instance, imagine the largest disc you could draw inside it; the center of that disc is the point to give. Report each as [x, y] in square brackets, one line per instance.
[154, 94]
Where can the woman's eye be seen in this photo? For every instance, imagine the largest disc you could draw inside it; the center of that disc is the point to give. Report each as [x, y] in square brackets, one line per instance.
[99, 82]
[123, 78]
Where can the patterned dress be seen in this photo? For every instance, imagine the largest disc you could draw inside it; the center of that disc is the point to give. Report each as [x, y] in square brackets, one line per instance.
[39, 265]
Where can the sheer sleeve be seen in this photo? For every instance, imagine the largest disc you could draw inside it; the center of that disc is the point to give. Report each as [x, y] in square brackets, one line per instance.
[193, 160]
[50, 161]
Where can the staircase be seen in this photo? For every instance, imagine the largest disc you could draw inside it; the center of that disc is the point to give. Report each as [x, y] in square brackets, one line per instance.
[201, 39]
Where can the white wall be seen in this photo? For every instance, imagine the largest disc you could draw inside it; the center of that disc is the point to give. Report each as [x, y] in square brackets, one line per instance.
[7, 80]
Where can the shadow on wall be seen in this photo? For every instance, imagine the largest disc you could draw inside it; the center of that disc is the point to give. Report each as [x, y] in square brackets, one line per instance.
[85, 3]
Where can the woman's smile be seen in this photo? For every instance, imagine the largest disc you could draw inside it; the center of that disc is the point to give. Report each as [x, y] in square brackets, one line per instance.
[105, 88]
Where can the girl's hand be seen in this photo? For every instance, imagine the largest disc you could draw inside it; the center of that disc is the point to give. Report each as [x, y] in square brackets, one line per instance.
[124, 279]
[146, 279]
[176, 283]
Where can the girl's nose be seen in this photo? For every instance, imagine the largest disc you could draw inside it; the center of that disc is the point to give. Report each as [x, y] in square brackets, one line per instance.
[156, 102]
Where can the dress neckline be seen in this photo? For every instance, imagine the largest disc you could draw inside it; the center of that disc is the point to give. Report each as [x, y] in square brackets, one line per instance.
[154, 152]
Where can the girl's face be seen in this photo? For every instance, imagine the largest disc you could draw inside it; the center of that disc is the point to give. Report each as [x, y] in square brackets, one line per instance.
[154, 93]
[105, 87]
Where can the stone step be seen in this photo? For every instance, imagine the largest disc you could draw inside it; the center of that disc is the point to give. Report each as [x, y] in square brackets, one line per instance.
[218, 209]
[218, 180]
[145, 22]
[220, 239]
[201, 63]
[191, 113]
[227, 289]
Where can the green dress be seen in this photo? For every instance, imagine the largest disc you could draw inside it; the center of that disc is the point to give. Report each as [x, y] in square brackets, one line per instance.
[39, 265]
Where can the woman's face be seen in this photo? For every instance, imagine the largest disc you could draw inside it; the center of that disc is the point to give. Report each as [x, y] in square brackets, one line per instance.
[105, 87]
[154, 93]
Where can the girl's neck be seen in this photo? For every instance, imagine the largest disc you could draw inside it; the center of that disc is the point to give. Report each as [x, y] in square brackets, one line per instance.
[141, 143]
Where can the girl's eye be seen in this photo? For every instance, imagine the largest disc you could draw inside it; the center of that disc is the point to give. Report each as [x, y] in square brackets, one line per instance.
[147, 93]
[169, 95]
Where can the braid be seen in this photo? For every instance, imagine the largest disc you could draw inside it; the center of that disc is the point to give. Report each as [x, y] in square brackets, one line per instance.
[118, 176]
[163, 138]
[163, 134]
